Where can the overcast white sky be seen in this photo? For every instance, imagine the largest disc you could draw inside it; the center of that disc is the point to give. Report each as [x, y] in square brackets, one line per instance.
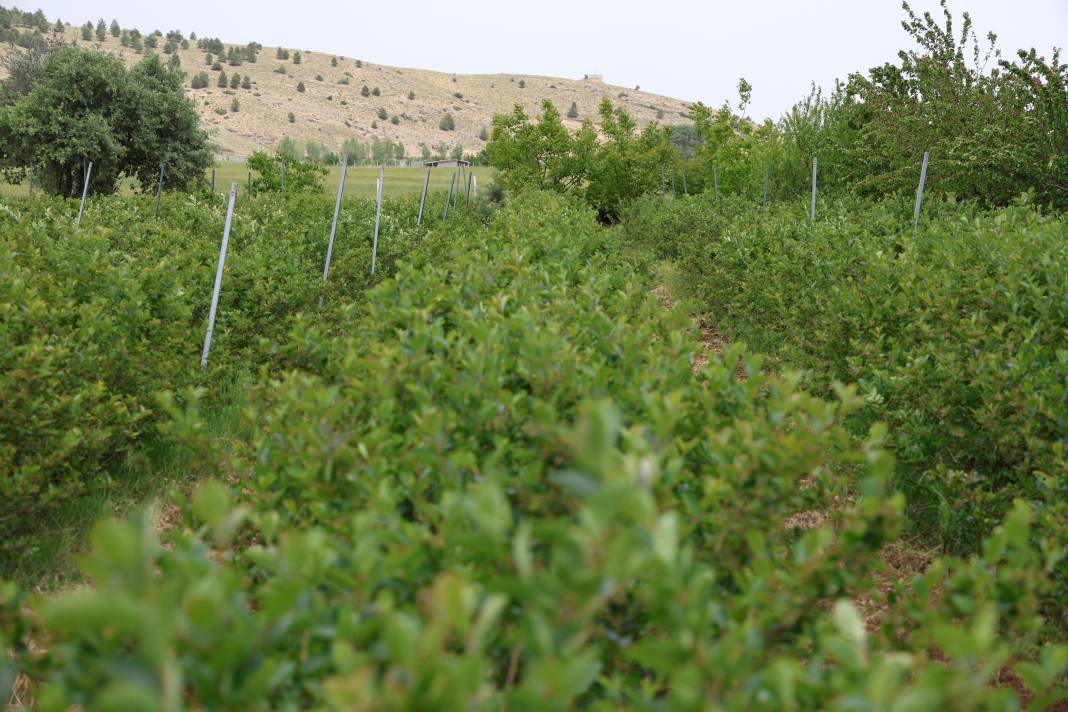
[689, 50]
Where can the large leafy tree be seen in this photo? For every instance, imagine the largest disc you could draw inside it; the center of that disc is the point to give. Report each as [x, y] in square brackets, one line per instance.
[542, 153]
[86, 106]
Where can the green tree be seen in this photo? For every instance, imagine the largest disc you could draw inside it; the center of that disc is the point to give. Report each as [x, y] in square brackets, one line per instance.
[365, 91]
[425, 153]
[447, 123]
[522, 84]
[116, 31]
[291, 118]
[87, 32]
[296, 58]
[175, 62]
[281, 53]
[411, 95]
[222, 81]
[86, 105]
[246, 82]
[542, 154]
[235, 81]
[235, 105]
[287, 148]
[300, 87]
[209, 59]
[333, 61]
[101, 30]
[315, 152]
[383, 114]
[395, 120]
[483, 134]
[457, 152]
[301, 176]
[376, 92]
[573, 112]
[355, 150]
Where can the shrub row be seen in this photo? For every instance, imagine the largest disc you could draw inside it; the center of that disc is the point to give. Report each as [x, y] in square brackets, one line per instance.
[96, 322]
[956, 337]
[503, 485]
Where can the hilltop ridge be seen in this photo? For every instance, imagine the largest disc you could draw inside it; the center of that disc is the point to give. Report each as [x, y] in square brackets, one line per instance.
[408, 107]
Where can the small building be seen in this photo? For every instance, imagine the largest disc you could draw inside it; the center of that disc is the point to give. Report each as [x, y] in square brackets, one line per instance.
[447, 163]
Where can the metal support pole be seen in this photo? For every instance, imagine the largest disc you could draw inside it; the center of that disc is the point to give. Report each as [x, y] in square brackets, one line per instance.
[467, 201]
[333, 228]
[378, 216]
[422, 202]
[283, 175]
[218, 278]
[85, 191]
[812, 211]
[919, 195]
[448, 198]
[685, 188]
[159, 189]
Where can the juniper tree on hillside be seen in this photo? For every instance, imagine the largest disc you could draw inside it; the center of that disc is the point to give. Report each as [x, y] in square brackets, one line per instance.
[246, 82]
[447, 123]
[101, 31]
[235, 81]
[296, 57]
[222, 80]
[572, 113]
[116, 31]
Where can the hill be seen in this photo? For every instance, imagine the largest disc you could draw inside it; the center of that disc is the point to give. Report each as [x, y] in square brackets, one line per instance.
[332, 109]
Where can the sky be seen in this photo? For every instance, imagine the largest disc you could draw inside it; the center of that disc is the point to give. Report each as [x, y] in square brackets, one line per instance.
[695, 51]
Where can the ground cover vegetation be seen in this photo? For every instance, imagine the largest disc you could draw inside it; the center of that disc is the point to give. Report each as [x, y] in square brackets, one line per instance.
[500, 472]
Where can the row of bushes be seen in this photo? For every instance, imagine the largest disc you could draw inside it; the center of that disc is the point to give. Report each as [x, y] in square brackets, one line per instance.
[502, 485]
[95, 322]
[956, 337]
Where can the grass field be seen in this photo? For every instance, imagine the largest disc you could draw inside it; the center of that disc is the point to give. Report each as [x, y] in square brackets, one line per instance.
[360, 181]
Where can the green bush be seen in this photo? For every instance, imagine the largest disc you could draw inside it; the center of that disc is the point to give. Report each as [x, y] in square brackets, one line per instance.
[500, 483]
[97, 322]
[956, 338]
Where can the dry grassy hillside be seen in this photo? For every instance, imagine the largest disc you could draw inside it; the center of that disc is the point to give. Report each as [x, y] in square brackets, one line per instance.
[330, 112]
